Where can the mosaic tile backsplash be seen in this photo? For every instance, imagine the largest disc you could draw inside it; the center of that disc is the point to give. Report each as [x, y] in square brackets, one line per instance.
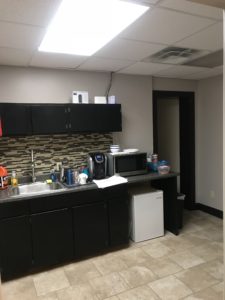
[15, 152]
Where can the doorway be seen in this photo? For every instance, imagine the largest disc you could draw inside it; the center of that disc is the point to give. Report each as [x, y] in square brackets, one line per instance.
[174, 125]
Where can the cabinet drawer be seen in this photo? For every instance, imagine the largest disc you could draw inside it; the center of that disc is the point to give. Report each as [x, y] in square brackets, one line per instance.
[13, 209]
[48, 203]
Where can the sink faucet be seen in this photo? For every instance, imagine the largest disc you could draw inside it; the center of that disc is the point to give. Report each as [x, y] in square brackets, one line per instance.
[33, 166]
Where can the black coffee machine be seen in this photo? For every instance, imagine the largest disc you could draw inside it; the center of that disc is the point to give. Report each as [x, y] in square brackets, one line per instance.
[97, 165]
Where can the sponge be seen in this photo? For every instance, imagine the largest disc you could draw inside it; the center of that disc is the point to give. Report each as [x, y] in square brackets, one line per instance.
[49, 181]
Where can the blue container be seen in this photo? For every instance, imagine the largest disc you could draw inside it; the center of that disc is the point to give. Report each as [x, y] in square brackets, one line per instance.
[69, 177]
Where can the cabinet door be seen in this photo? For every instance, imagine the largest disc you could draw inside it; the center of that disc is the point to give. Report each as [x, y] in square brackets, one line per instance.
[15, 119]
[90, 228]
[15, 246]
[52, 237]
[118, 220]
[95, 117]
[49, 118]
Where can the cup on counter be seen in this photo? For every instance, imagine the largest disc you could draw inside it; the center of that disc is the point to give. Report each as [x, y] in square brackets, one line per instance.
[82, 178]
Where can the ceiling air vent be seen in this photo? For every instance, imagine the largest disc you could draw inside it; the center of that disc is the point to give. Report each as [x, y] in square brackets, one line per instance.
[175, 55]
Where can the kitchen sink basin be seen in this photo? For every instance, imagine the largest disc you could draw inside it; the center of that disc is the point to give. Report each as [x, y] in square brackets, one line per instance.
[38, 187]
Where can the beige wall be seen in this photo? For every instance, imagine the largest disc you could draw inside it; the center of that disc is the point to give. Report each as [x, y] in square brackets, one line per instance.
[168, 132]
[169, 84]
[46, 85]
[209, 145]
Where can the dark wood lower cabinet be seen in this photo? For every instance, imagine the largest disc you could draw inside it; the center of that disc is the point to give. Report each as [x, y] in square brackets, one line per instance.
[118, 209]
[15, 246]
[90, 226]
[45, 231]
[52, 237]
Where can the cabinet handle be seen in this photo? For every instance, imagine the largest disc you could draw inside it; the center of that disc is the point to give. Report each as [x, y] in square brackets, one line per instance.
[68, 109]
[70, 126]
[66, 126]
[65, 110]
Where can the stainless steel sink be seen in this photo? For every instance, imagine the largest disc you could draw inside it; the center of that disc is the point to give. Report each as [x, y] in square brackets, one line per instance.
[38, 188]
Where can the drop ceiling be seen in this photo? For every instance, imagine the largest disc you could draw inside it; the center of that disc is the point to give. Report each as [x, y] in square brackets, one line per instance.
[178, 23]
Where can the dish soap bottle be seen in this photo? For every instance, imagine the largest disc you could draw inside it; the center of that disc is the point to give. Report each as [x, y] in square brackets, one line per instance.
[14, 179]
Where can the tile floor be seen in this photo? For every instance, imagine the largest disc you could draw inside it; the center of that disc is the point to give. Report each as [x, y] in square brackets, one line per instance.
[188, 266]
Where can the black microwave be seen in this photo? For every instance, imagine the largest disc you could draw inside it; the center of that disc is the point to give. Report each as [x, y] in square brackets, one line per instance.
[127, 164]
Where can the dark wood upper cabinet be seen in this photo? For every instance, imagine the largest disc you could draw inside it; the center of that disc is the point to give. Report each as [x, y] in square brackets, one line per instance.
[15, 119]
[49, 118]
[27, 119]
[95, 117]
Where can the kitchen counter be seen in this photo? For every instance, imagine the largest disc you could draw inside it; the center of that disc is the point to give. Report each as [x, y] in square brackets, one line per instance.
[10, 194]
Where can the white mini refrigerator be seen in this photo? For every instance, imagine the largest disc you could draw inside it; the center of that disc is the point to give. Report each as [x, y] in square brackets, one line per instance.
[147, 221]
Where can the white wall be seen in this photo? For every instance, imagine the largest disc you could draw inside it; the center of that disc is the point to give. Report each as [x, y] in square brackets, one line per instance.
[55, 86]
[209, 146]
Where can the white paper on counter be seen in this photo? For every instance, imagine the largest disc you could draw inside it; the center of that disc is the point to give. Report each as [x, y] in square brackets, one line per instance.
[113, 180]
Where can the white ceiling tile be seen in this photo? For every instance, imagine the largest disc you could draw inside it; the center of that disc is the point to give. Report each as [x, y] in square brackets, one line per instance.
[209, 39]
[127, 49]
[56, 60]
[205, 74]
[20, 36]
[194, 8]
[179, 71]
[14, 57]
[165, 26]
[100, 64]
[35, 12]
[143, 68]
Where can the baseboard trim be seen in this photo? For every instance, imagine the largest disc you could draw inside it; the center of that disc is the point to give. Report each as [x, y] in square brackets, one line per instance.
[210, 210]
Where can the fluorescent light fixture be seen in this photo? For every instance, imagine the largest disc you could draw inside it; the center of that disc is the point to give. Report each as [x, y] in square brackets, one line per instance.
[82, 27]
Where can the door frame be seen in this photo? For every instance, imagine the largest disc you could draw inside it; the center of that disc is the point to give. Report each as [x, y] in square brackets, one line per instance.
[186, 138]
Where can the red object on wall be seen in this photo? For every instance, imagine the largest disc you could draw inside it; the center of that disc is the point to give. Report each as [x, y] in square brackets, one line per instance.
[3, 178]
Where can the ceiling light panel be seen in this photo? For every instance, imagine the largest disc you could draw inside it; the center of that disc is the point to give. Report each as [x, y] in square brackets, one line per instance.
[84, 26]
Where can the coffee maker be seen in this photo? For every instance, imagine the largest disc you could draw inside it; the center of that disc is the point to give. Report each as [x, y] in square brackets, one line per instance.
[97, 164]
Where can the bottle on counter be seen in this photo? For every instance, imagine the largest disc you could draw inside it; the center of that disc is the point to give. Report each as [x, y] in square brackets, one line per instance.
[53, 175]
[14, 179]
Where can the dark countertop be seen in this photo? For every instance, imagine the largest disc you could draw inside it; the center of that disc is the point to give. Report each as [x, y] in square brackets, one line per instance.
[10, 195]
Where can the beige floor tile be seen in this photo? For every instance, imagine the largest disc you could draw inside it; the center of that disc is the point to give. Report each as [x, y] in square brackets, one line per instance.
[81, 272]
[137, 275]
[112, 298]
[196, 279]
[207, 294]
[208, 251]
[134, 256]
[194, 238]
[186, 259]
[170, 288]
[157, 250]
[218, 287]
[214, 234]
[164, 267]
[190, 226]
[79, 292]
[177, 243]
[108, 285]
[214, 268]
[140, 293]
[19, 289]
[50, 281]
[109, 264]
[51, 296]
